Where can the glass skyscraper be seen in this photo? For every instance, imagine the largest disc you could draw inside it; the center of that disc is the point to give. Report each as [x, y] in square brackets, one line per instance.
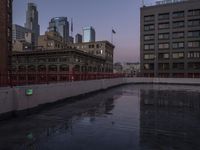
[61, 25]
[32, 20]
[88, 34]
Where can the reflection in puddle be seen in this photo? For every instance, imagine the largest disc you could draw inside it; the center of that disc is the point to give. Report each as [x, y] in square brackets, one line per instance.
[139, 117]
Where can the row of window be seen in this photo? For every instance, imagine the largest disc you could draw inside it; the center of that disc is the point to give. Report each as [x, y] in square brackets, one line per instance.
[177, 66]
[175, 35]
[175, 24]
[175, 45]
[177, 55]
[57, 68]
[177, 14]
[90, 46]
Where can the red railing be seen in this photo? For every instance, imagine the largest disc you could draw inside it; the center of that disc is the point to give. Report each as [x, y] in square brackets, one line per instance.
[23, 78]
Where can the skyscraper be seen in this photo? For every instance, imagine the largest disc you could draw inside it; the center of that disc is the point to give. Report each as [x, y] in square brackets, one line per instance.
[32, 20]
[5, 38]
[61, 25]
[88, 34]
[78, 38]
[170, 39]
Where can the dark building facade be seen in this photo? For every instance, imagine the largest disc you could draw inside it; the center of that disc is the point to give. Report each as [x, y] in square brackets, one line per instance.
[5, 37]
[78, 38]
[57, 61]
[170, 39]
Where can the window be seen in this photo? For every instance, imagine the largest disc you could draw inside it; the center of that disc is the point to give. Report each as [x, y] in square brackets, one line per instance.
[177, 35]
[194, 34]
[163, 36]
[163, 46]
[163, 16]
[64, 59]
[194, 44]
[149, 66]
[179, 66]
[41, 60]
[149, 18]
[52, 59]
[193, 54]
[163, 66]
[194, 65]
[163, 56]
[163, 25]
[178, 55]
[64, 67]
[178, 14]
[149, 47]
[149, 56]
[149, 27]
[178, 45]
[194, 12]
[149, 37]
[178, 24]
[52, 68]
[194, 23]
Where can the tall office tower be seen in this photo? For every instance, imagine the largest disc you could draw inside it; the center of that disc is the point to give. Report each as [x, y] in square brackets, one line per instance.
[88, 34]
[170, 39]
[32, 20]
[61, 25]
[78, 38]
[5, 38]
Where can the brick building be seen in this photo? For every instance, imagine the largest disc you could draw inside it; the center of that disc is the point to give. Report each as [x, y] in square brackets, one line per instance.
[5, 37]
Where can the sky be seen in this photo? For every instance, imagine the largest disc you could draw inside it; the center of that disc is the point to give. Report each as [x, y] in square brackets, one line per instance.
[122, 15]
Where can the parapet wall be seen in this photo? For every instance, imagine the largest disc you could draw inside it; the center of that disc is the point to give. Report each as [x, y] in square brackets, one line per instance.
[17, 99]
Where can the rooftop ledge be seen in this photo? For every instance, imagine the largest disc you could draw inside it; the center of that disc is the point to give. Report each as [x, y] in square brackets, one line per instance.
[166, 2]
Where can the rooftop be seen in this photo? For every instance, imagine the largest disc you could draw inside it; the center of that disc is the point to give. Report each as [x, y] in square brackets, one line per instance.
[166, 2]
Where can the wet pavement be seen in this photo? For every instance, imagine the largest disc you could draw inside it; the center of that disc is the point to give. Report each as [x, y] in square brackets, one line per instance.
[130, 117]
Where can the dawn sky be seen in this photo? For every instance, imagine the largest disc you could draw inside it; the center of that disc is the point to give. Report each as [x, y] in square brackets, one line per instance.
[122, 15]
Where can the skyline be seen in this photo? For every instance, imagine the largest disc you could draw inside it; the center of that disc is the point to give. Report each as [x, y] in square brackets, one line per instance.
[126, 23]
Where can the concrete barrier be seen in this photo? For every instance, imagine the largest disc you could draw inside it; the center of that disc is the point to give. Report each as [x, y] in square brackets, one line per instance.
[16, 99]
[183, 81]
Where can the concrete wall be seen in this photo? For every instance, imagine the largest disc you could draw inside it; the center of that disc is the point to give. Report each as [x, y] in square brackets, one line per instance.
[15, 99]
[186, 81]
[6, 100]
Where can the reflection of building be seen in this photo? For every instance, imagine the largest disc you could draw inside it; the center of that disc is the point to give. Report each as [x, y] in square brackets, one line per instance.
[57, 61]
[61, 25]
[170, 33]
[5, 36]
[32, 20]
[51, 40]
[88, 34]
[99, 48]
[78, 38]
[169, 119]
